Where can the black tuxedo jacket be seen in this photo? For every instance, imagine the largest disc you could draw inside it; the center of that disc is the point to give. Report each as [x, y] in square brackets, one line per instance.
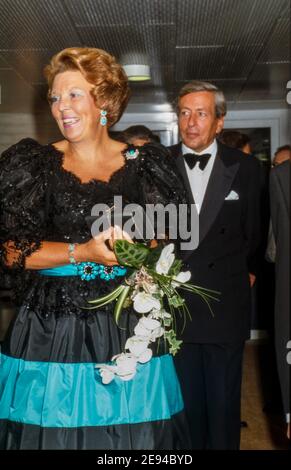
[280, 213]
[228, 240]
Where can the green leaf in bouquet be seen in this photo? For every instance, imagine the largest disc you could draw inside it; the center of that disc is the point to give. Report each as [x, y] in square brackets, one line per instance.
[120, 302]
[130, 254]
[176, 301]
[127, 303]
[167, 322]
[105, 299]
[174, 343]
[206, 294]
[175, 268]
[165, 282]
[175, 346]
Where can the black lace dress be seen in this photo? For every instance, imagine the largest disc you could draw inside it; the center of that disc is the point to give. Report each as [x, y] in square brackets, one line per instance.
[51, 394]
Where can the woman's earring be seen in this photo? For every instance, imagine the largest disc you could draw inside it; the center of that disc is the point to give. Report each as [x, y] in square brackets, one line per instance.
[103, 118]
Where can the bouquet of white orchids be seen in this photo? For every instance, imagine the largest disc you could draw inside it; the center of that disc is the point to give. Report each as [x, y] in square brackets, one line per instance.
[151, 287]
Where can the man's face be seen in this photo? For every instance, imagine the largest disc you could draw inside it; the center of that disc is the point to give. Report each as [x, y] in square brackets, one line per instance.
[281, 157]
[198, 123]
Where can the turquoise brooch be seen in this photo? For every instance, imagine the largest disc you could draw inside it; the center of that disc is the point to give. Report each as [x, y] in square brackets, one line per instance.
[89, 271]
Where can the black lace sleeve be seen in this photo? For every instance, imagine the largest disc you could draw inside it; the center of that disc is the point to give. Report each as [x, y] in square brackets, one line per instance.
[159, 183]
[159, 179]
[22, 201]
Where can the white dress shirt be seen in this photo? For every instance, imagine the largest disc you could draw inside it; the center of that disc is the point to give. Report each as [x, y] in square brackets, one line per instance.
[199, 178]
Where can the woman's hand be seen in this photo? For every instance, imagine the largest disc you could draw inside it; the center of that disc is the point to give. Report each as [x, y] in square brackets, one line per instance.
[100, 248]
[52, 254]
[118, 234]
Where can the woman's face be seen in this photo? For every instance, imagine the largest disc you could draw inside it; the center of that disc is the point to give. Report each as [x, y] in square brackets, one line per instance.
[73, 106]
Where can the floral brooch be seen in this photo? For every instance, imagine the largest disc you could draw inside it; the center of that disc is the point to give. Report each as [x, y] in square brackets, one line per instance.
[131, 153]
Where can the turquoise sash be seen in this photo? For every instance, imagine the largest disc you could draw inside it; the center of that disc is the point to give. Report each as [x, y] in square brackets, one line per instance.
[66, 270]
[87, 271]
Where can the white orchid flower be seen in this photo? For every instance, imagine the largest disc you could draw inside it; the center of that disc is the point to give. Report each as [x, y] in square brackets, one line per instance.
[149, 323]
[145, 356]
[166, 259]
[143, 303]
[140, 330]
[125, 366]
[137, 345]
[157, 333]
[156, 314]
[107, 373]
[182, 277]
[145, 326]
[149, 329]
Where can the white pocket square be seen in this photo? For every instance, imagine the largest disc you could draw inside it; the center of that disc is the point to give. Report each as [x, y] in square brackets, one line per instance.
[232, 196]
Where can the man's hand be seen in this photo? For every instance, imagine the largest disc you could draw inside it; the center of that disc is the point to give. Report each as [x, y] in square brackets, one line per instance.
[252, 278]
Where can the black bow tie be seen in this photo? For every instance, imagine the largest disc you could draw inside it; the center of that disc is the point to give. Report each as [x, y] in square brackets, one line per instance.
[192, 158]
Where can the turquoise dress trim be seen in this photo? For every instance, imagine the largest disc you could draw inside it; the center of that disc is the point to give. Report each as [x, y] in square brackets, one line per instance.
[66, 270]
[50, 394]
[86, 270]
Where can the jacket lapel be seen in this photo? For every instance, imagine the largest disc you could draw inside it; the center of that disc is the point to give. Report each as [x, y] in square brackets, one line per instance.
[218, 187]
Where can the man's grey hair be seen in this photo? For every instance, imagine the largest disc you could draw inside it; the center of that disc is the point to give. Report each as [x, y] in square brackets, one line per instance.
[194, 86]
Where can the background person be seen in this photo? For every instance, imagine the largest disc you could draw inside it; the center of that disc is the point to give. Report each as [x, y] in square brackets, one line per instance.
[139, 135]
[280, 217]
[282, 154]
[237, 140]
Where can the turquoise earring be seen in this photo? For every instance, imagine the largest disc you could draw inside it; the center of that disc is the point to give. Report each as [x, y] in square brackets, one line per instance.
[103, 118]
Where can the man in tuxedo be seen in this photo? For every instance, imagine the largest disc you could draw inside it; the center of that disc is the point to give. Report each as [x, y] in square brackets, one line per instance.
[280, 215]
[224, 186]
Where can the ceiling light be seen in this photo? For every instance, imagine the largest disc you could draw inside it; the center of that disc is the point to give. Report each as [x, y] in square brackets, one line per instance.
[137, 72]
